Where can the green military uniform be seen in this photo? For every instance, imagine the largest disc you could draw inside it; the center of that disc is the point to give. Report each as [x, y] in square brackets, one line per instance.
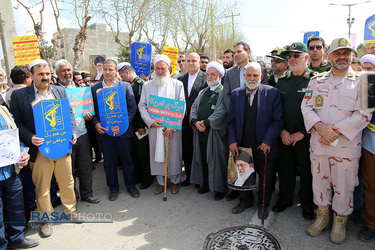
[207, 106]
[292, 89]
[141, 156]
[323, 67]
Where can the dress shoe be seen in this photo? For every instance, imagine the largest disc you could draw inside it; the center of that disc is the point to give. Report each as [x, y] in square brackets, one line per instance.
[240, 208]
[91, 199]
[97, 160]
[26, 243]
[307, 212]
[203, 190]
[366, 234]
[219, 196]
[175, 188]
[113, 195]
[76, 217]
[134, 192]
[357, 218]
[185, 183]
[234, 194]
[46, 230]
[265, 213]
[280, 207]
[159, 190]
[145, 185]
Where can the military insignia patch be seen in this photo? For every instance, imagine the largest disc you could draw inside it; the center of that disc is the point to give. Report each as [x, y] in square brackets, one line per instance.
[319, 101]
[343, 42]
[293, 46]
[350, 75]
[308, 94]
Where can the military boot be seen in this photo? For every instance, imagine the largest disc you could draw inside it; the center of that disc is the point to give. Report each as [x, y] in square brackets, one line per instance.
[321, 222]
[338, 233]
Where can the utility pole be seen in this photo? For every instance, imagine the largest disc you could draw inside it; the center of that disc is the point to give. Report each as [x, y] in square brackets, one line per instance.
[212, 34]
[7, 31]
[232, 16]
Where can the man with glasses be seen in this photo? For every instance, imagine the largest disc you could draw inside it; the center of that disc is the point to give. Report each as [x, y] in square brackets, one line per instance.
[294, 150]
[317, 49]
[204, 62]
[279, 66]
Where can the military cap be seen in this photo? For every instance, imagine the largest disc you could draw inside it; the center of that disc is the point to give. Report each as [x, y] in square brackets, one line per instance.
[279, 54]
[341, 43]
[298, 47]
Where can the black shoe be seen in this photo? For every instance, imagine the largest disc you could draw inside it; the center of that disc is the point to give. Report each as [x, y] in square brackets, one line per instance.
[260, 213]
[203, 190]
[280, 207]
[197, 186]
[145, 185]
[240, 208]
[134, 192]
[366, 234]
[97, 160]
[307, 213]
[91, 199]
[232, 195]
[357, 218]
[219, 196]
[113, 195]
[185, 183]
[56, 203]
[27, 243]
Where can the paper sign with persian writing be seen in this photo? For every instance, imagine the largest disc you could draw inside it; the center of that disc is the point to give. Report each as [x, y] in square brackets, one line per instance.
[169, 112]
[9, 147]
[140, 57]
[112, 109]
[172, 53]
[53, 123]
[26, 49]
[80, 100]
[370, 30]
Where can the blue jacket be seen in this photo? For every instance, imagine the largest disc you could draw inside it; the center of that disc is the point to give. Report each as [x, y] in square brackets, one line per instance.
[269, 117]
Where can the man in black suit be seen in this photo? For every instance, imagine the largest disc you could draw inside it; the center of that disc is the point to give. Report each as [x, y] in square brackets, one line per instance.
[43, 167]
[113, 145]
[194, 81]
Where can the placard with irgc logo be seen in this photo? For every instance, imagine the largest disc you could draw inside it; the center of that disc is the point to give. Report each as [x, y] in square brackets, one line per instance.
[53, 124]
[112, 109]
[140, 58]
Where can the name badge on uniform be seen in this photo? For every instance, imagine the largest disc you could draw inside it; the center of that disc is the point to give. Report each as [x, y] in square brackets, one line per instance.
[319, 101]
[213, 106]
[308, 94]
[321, 86]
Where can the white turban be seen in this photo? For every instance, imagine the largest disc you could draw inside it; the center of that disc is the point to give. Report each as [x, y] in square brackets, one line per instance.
[38, 61]
[120, 65]
[162, 58]
[217, 66]
[255, 65]
[368, 58]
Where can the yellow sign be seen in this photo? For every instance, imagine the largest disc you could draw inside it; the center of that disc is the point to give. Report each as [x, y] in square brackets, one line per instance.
[26, 49]
[172, 53]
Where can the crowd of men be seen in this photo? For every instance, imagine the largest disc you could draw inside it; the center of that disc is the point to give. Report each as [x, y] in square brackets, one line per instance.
[301, 117]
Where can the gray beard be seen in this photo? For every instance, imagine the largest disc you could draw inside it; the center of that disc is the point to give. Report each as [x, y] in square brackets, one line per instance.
[161, 80]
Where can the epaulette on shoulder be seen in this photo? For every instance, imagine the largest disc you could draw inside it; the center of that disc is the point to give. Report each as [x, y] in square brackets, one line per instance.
[357, 74]
[317, 74]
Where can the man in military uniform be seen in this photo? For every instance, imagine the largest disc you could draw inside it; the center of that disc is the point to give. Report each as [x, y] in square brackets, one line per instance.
[279, 66]
[294, 149]
[317, 49]
[331, 112]
[141, 155]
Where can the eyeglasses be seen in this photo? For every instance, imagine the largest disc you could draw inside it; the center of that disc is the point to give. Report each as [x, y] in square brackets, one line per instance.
[181, 61]
[276, 60]
[295, 55]
[318, 47]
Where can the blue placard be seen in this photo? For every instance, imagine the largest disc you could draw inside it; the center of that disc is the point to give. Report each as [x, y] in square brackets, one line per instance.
[53, 123]
[308, 35]
[370, 30]
[140, 57]
[112, 109]
[169, 112]
[80, 100]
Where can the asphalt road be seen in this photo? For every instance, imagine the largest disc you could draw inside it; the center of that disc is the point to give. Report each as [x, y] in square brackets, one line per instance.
[182, 222]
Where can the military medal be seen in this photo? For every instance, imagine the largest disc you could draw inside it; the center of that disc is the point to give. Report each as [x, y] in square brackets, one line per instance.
[319, 101]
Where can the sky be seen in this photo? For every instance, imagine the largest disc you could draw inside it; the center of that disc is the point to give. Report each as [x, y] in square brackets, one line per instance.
[265, 24]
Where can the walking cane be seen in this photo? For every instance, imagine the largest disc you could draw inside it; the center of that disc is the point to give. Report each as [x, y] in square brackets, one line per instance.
[166, 171]
[264, 187]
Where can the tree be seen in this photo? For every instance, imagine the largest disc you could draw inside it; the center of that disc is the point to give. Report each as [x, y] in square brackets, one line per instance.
[123, 55]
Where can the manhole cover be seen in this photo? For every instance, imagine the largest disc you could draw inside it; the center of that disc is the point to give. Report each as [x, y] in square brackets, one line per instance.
[242, 238]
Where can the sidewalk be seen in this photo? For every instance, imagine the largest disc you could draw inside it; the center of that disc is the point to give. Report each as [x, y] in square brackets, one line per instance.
[182, 222]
